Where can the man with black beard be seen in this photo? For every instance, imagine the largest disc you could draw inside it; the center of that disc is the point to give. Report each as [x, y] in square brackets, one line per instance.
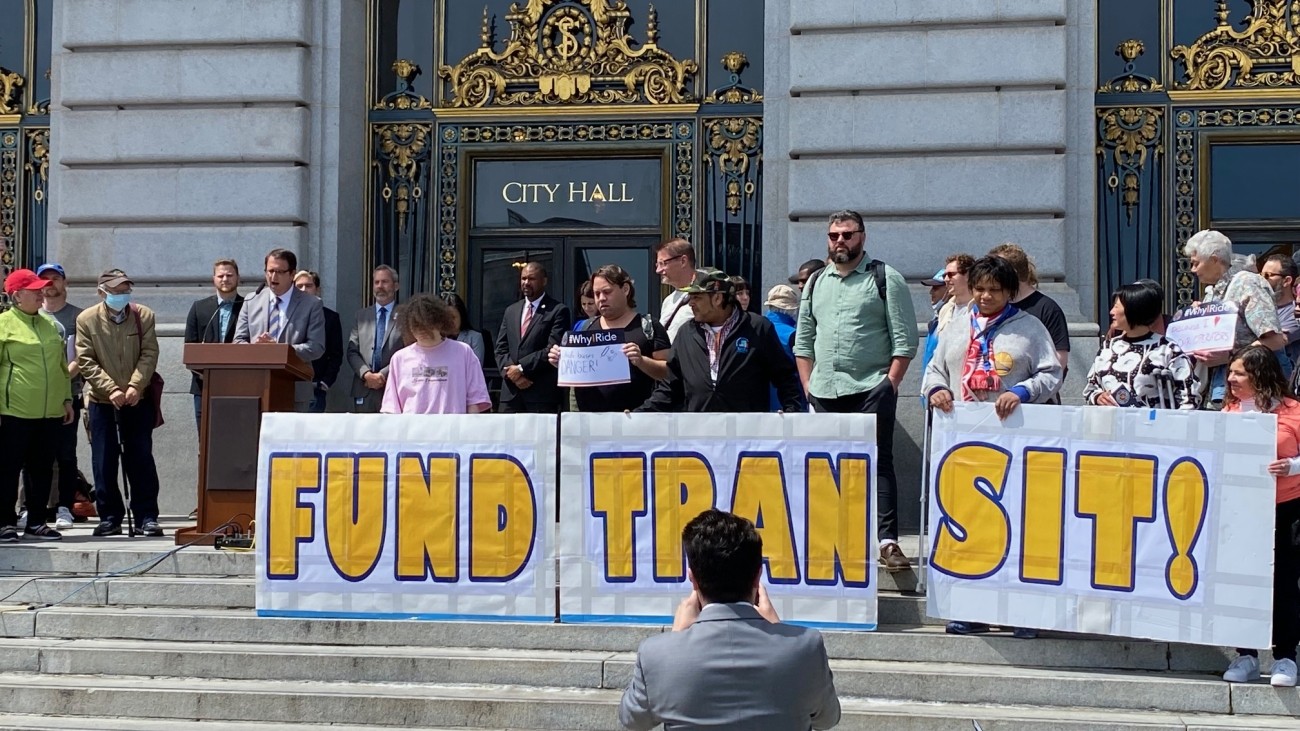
[856, 337]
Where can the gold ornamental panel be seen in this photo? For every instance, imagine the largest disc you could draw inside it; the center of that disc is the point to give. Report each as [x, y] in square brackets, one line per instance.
[1263, 55]
[568, 52]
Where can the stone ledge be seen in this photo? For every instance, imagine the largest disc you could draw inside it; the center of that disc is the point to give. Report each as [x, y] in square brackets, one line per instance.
[198, 75]
[179, 252]
[987, 57]
[233, 135]
[841, 14]
[238, 195]
[925, 123]
[1011, 184]
[107, 23]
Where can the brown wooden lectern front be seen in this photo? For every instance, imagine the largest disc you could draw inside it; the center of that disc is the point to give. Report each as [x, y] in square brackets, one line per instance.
[241, 382]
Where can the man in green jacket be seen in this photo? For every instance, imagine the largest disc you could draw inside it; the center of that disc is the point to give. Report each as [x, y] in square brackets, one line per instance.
[35, 399]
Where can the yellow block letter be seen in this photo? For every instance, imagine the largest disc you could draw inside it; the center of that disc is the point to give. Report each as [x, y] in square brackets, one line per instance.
[1042, 528]
[291, 521]
[1117, 492]
[502, 518]
[974, 534]
[618, 499]
[356, 508]
[1187, 492]
[839, 504]
[760, 495]
[428, 517]
[683, 489]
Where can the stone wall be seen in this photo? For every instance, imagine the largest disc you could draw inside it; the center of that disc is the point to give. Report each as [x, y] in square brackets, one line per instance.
[185, 131]
[951, 126]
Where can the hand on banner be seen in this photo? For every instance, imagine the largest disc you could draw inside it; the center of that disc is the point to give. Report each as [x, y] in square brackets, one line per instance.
[1279, 468]
[764, 606]
[1104, 398]
[1006, 404]
[942, 400]
[687, 612]
[633, 353]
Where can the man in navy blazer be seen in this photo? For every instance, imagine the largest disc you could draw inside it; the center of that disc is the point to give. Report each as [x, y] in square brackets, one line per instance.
[528, 330]
[729, 663]
[282, 314]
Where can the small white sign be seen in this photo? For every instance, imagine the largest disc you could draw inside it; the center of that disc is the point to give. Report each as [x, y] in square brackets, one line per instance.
[593, 358]
[1208, 327]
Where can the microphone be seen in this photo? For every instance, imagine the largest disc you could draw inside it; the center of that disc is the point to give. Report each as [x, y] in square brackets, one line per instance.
[207, 328]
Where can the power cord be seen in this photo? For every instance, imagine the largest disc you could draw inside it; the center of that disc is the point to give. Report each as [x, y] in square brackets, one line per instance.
[135, 570]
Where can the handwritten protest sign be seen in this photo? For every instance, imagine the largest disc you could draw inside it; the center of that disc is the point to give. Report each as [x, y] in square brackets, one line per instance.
[1211, 326]
[593, 358]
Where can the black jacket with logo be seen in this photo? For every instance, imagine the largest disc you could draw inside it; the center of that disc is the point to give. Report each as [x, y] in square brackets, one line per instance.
[751, 362]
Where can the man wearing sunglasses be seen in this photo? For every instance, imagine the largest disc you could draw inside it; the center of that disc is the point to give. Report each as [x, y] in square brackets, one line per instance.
[854, 343]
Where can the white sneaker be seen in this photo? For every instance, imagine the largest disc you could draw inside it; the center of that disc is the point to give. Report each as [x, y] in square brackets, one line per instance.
[22, 521]
[1244, 669]
[1283, 674]
[63, 519]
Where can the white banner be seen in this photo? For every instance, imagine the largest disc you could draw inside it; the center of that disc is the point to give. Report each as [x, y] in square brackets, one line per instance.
[420, 517]
[631, 482]
[1129, 522]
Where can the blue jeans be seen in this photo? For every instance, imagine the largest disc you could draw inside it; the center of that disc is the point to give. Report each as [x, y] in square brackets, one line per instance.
[134, 449]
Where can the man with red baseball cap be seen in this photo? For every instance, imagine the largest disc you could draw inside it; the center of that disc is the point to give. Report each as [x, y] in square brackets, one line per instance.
[37, 399]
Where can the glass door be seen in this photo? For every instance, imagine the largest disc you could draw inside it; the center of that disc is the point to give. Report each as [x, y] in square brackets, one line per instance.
[630, 252]
[494, 276]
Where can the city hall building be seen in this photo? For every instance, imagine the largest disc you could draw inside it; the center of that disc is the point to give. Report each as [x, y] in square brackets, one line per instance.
[459, 139]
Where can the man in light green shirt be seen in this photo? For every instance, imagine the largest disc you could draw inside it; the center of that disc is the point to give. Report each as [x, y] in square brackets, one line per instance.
[853, 346]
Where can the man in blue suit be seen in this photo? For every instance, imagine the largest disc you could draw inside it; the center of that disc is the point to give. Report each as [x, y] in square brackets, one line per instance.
[729, 663]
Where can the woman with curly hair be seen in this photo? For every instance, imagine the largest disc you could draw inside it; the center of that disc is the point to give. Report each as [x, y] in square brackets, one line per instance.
[1255, 383]
[434, 374]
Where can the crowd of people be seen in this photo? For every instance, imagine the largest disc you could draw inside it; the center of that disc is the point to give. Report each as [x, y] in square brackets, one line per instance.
[839, 337]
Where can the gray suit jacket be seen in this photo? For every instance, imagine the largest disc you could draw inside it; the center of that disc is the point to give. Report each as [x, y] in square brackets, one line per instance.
[304, 327]
[361, 345]
[732, 669]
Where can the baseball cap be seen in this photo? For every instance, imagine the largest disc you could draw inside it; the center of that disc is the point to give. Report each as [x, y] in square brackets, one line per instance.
[711, 283]
[934, 281]
[114, 278]
[23, 279]
[782, 297]
[51, 267]
[810, 266]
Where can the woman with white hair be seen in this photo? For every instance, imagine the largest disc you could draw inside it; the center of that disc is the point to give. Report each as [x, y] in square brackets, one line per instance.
[1226, 281]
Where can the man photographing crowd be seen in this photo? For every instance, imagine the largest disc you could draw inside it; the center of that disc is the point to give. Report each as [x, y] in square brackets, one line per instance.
[729, 662]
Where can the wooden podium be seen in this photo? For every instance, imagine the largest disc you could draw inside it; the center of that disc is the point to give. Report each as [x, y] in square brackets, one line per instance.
[241, 381]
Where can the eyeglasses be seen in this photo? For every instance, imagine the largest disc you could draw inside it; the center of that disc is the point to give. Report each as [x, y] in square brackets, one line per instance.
[277, 271]
[665, 262]
[842, 235]
[951, 275]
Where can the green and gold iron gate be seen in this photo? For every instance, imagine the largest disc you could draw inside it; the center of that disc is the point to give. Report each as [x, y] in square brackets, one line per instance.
[24, 130]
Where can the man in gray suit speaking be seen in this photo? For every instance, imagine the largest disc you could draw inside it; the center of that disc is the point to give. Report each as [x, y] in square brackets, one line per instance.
[281, 314]
[729, 663]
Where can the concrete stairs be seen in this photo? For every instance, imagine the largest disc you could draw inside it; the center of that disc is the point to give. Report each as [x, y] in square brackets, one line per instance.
[179, 646]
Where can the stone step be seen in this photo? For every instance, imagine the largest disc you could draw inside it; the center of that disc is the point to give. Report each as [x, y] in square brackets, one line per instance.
[892, 680]
[510, 707]
[914, 644]
[46, 722]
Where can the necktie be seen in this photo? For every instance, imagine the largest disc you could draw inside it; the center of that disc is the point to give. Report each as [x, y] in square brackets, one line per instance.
[276, 324]
[381, 327]
[528, 317]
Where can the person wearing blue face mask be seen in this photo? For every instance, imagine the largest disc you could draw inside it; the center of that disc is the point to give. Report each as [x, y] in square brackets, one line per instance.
[117, 351]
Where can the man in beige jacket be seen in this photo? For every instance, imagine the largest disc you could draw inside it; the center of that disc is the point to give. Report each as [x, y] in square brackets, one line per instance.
[117, 351]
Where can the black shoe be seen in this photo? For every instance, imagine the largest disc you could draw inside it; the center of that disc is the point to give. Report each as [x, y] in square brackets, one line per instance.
[108, 528]
[42, 532]
[151, 528]
[8, 534]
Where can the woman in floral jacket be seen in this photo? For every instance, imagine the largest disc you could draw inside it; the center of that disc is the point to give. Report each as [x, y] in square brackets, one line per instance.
[1139, 367]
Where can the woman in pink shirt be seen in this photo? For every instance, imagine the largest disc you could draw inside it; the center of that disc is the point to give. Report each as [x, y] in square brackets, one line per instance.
[1256, 383]
[433, 375]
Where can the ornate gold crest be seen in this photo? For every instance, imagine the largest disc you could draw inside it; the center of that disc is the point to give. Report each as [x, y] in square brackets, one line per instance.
[563, 52]
[11, 83]
[1263, 55]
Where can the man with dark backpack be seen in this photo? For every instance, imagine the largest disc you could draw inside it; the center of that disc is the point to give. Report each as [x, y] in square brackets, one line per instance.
[645, 343]
[856, 337]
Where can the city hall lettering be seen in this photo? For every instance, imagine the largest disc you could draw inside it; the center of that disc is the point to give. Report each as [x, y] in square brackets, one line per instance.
[516, 193]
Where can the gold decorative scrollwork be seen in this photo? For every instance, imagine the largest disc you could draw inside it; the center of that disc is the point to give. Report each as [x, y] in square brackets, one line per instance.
[1263, 55]
[9, 181]
[404, 149]
[11, 84]
[1131, 82]
[564, 52]
[733, 143]
[1130, 135]
[38, 162]
[734, 92]
[404, 97]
